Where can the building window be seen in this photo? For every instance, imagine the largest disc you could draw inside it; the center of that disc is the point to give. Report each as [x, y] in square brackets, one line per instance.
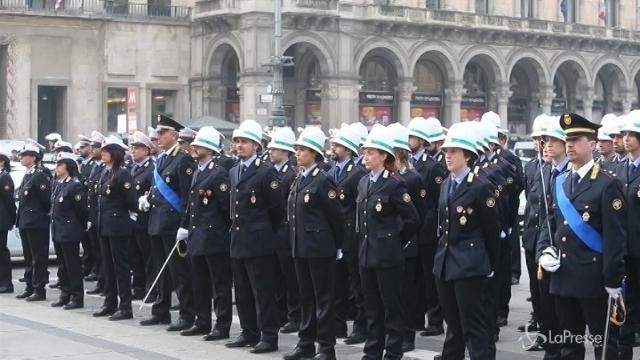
[526, 6]
[116, 109]
[609, 14]
[162, 102]
[569, 9]
[482, 7]
[433, 4]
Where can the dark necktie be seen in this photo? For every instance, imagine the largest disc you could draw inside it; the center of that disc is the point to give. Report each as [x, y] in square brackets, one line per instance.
[575, 181]
[371, 183]
[242, 171]
[337, 173]
[632, 168]
[453, 187]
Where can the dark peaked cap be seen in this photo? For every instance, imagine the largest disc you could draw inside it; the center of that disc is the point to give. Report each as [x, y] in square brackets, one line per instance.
[167, 123]
[575, 125]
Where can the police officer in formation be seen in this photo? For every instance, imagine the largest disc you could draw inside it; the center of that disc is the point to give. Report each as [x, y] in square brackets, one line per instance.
[94, 169]
[7, 221]
[281, 149]
[68, 219]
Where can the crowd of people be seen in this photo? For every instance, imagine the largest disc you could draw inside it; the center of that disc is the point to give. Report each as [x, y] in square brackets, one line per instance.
[403, 230]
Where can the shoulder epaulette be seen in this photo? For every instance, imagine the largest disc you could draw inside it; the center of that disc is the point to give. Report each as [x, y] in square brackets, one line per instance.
[594, 171]
[285, 168]
[147, 163]
[67, 179]
[315, 171]
[176, 150]
[470, 177]
[212, 165]
[476, 169]
[385, 174]
[440, 157]
[258, 161]
[349, 167]
[569, 165]
[424, 157]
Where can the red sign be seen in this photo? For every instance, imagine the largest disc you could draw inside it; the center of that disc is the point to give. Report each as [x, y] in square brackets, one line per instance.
[471, 114]
[233, 112]
[425, 112]
[370, 115]
[132, 117]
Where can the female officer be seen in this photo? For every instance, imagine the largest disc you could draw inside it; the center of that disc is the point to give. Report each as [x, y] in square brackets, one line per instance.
[7, 220]
[467, 247]
[315, 229]
[418, 193]
[386, 221]
[68, 220]
[117, 204]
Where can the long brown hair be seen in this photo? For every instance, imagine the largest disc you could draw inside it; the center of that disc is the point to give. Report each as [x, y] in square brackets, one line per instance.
[389, 162]
[117, 160]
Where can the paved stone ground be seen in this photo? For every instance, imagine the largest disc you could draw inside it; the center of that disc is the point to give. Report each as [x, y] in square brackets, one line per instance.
[37, 331]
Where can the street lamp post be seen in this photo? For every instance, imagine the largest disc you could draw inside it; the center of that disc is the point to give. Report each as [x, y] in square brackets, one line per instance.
[277, 62]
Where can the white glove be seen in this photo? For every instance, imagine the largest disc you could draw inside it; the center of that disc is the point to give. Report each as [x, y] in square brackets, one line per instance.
[133, 216]
[549, 260]
[89, 225]
[339, 254]
[614, 293]
[182, 234]
[502, 235]
[143, 203]
[491, 275]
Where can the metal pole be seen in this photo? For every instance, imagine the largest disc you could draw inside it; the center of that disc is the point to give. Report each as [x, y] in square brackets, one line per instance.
[277, 62]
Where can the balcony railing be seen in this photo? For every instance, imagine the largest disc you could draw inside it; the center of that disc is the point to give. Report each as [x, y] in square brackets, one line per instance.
[97, 8]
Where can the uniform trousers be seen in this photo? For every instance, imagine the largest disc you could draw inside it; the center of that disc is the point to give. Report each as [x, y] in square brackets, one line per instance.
[254, 284]
[341, 297]
[426, 255]
[37, 243]
[5, 262]
[532, 271]
[212, 280]
[141, 262]
[70, 278]
[383, 308]
[503, 276]
[116, 272]
[574, 314]
[180, 272]
[289, 294]
[466, 318]
[355, 294]
[409, 297]
[316, 279]
[87, 254]
[630, 327]
[94, 242]
[547, 317]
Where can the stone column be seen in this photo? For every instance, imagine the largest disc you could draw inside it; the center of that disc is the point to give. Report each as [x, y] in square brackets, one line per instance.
[405, 90]
[300, 115]
[452, 99]
[330, 107]
[347, 102]
[251, 87]
[546, 96]
[503, 93]
[587, 103]
[215, 100]
[627, 100]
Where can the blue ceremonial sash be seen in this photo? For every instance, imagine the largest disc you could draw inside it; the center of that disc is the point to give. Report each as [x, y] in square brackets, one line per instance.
[588, 235]
[167, 192]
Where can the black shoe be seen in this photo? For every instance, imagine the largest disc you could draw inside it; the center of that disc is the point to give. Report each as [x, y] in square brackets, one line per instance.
[433, 330]
[195, 330]
[290, 327]
[242, 341]
[299, 354]
[636, 340]
[536, 345]
[91, 277]
[104, 312]
[437, 357]
[22, 279]
[121, 315]
[137, 295]
[156, 320]
[515, 281]
[61, 302]
[180, 325]
[175, 307]
[25, 294]
[74, 304]
[528, 299]
[323, 356]
[408, 346]
[263, 348]
[95, 291]
[501, 321]
[355, 338]
[54, 285]
[151, 299]
[216, 334]
[6, 289]
[37, 296]
[529, 327]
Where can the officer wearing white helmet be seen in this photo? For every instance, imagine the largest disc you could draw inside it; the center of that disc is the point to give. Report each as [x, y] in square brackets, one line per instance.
[52, 138]
[467, 217]
[256, 210]
[436, 139]
[360, 129]
[421, 133]
[346, 173]
[387, 219]
[204, 236]
[281, 148]
[615, 131]
[316, 234]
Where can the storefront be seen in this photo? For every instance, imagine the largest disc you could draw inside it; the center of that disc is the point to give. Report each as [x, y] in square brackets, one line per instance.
[472, 107]
[312, 107]
[232, 106]
[376, 108]
[425, 105]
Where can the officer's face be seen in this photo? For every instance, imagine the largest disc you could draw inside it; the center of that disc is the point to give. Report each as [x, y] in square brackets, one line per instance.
[106, 157]
[554, 148]
[200, 153]
[166, 139]
[305, 156]
[139, 152]
[618, 144]
[245, 148]
[27, 160]
[338, 152]
[631, 143]
[605, 147]
[579, 149]
[373, 159]
[95, 151]
[277, 155]
[61, 170]
[84, 151]
[415, 143]
[455, 159]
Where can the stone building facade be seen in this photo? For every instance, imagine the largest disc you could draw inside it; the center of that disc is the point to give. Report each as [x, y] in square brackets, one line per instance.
[384, 61]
